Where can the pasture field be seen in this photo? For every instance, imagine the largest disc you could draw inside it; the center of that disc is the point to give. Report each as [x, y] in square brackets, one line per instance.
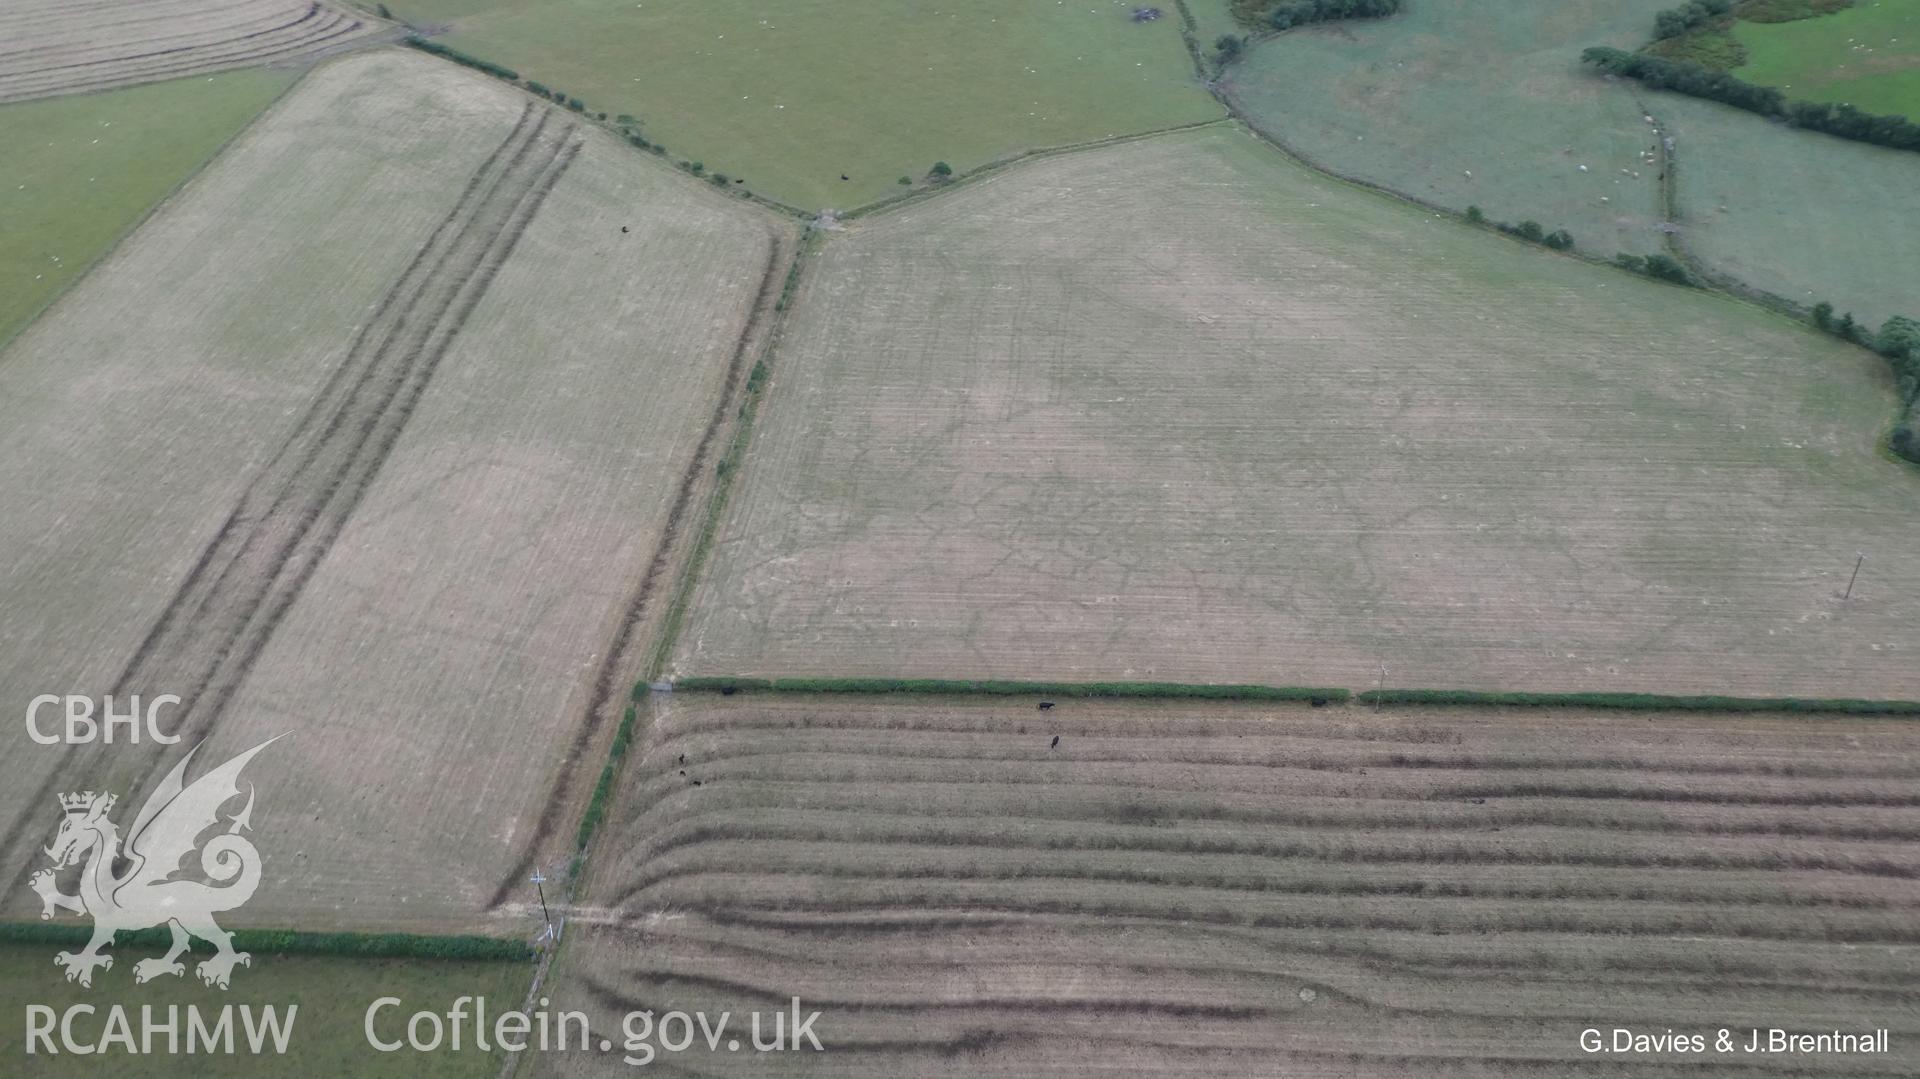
[1868, 55]
[791, 98]
[81, 171]
[1218, 889]
[1474, 103]
[1802, 215]
[372, 438]
[50, 47]
[1181, 410]
[1413, 102]
[332, 996]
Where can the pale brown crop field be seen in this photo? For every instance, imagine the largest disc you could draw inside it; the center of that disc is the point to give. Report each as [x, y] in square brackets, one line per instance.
[375, 436]
[71, 46]
[1180, 410]
[1218, 889]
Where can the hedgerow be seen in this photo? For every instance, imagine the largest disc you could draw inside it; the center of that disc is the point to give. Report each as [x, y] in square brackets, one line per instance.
[1843, 121]
[286, 942]
[603, 789]
[1639, 701]
[1287, 14]
[458, 57]
[1001, 688]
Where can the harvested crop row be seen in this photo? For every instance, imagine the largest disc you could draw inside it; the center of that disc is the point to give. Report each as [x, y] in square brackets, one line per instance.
[60, 48]
[1280, 888]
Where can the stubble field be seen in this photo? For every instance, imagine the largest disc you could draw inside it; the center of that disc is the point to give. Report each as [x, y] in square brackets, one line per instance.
[1237, 889]
[50, 47]
[371, 437]
[1182, 411]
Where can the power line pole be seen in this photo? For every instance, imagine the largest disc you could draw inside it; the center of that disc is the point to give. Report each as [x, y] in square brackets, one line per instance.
[540, 879]
[1855, 577]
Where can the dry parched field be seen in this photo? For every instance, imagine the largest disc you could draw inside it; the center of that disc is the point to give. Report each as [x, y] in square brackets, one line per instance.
[370, 438]
[63, 46]
[1179, 410]
[1216, 889]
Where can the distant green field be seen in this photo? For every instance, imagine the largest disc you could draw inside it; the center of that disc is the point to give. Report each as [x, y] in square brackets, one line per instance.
[1867, 55]
[332, 996]
[78, 172]
[1493, 87]
[794, 96]
[1474, 103]
[1802, 215]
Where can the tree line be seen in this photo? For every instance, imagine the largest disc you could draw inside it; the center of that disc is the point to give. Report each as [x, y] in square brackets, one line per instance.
[1844, 121]
[1288, 14]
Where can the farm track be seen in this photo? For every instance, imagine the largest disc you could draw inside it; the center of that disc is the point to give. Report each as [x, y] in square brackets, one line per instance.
[63, 50]
[1217, 888]
[207, 638]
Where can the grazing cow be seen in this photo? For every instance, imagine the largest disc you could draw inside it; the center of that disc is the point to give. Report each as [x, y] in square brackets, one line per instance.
[1056, 742]
[1046, 706]
[1319, 702]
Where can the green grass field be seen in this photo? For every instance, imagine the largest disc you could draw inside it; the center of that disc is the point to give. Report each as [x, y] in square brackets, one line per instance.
[1868, 55]
[1802, 215]
[332, 995]
[793, 97]
[78, 172]
[1476, 103]
[1415, 102]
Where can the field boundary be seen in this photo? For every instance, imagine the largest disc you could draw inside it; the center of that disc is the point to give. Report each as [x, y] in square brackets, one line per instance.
[1657, 702]
[1638, 701]
[1006, 688]
[729, 467]
[999, 164]
[639, 601]
[465, 947]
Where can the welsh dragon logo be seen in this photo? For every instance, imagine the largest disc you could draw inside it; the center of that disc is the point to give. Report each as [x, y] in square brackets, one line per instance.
[144, 893]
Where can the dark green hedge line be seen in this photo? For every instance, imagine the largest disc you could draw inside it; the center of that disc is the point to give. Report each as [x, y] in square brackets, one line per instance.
[1843, 121]
[1641, 701]
[1287, 14]
[1008, 689]
[603, 790]
[284, 942]
[458, 57]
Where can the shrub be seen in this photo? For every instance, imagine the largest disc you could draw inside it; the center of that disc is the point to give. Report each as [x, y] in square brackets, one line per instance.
[1561, 240]
[1823, 315]
[940, 171]
[1676, 21]
[1474, 215]
[905, 181]
[1227, 48]
[1906, 442]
